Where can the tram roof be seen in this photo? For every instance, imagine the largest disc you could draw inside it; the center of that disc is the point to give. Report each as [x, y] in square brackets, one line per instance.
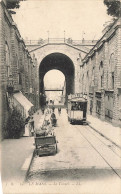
[78, 99]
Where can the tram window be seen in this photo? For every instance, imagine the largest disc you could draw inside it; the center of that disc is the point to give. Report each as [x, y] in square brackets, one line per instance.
[72, 106]
[77, 106]
[81, 106]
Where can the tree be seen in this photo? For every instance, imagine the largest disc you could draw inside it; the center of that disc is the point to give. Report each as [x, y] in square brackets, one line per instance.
[113, 7]
[16, 124]
[13, 4]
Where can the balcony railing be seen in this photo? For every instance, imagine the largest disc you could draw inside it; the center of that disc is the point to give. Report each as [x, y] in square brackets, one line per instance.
[17, 87]
[60, 40]
[10, 86]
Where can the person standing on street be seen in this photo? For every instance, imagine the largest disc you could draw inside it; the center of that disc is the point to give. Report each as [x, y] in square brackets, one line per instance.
[43, 110]
[53, 108]
[59, 110]
[32, 126]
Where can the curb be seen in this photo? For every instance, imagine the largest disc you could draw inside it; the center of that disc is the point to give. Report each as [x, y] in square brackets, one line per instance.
[27, 171]
[104, 136]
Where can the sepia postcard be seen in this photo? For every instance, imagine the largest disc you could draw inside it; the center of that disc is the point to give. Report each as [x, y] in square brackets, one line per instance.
[60, 96]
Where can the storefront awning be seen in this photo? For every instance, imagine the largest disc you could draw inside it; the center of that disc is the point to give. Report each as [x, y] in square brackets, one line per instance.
[23, 101]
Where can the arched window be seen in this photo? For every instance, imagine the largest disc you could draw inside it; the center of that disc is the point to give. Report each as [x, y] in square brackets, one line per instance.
[87, 81]
[111, 70]
[83, 83]
[101, 73]
[93, 71]
[17, 62]
[19, 73]
[7, 58]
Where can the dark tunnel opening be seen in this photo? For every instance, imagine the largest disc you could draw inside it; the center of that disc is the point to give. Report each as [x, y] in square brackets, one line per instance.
[59, 62]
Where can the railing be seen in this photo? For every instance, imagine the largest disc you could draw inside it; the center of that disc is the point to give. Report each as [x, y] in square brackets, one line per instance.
[56, 40]
[17, 87]
[84, 42]
[35, 42]
[53, 89]
[42, 42]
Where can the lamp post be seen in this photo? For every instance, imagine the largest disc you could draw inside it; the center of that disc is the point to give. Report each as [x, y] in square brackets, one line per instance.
[48, 35]
[64, 35]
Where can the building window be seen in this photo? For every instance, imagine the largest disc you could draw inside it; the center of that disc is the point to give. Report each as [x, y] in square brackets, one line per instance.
[87, 81]
[19, 79]
[17, 66]
[93, 70]
[112, 80]
[7, 58]
[101, 74]
[101, 81]
[83, 84]
[111, 71]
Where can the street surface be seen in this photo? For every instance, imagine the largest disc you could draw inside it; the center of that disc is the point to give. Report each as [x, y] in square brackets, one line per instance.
[84, 158]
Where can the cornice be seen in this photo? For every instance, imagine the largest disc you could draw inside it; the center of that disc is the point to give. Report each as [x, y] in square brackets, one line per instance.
[105, 38]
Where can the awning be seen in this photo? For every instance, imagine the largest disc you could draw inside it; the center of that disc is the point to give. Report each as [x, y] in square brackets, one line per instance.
[23, 101]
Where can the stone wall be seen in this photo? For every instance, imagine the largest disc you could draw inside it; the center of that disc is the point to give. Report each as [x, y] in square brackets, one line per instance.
[17, 67]
[71, 52]
[104, 90]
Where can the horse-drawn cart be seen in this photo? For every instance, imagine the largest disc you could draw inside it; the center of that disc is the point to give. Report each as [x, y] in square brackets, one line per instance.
[45, 145]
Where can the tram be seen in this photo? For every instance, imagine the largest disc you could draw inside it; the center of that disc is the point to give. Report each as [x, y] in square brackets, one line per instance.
[77, 110]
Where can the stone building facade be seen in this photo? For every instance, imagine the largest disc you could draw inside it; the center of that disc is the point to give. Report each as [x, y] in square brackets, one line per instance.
[17, 68]
[100, 78]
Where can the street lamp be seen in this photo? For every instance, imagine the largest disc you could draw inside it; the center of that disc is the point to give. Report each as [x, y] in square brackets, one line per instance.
[48, 36]
[64, 35]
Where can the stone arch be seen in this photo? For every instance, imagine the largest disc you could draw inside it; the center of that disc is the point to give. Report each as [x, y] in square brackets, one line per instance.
[61, 62]
[71, 52]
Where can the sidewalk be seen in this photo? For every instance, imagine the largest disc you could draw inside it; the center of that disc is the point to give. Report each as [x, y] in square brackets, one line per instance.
[106, 129]
[16, 156]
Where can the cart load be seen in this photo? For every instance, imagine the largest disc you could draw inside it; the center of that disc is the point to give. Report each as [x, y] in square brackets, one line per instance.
[45, 139]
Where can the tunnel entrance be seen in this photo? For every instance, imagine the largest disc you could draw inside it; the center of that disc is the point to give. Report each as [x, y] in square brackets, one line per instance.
[57, 61]
[55, 90]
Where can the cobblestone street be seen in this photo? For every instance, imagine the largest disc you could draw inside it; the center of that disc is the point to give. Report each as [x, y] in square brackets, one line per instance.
[83, 155]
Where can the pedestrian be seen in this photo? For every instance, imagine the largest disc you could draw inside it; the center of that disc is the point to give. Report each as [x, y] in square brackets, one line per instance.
[43, 110]
[32, 126]
[59, 110]
[27, 127]
[53, 119]
[53, 108]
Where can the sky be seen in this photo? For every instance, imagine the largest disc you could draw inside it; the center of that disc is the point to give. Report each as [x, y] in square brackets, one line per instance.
[54, 79]
[78, 18]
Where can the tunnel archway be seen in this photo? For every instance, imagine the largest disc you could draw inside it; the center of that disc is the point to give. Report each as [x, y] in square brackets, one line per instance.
[61, 62]
[55, 90]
